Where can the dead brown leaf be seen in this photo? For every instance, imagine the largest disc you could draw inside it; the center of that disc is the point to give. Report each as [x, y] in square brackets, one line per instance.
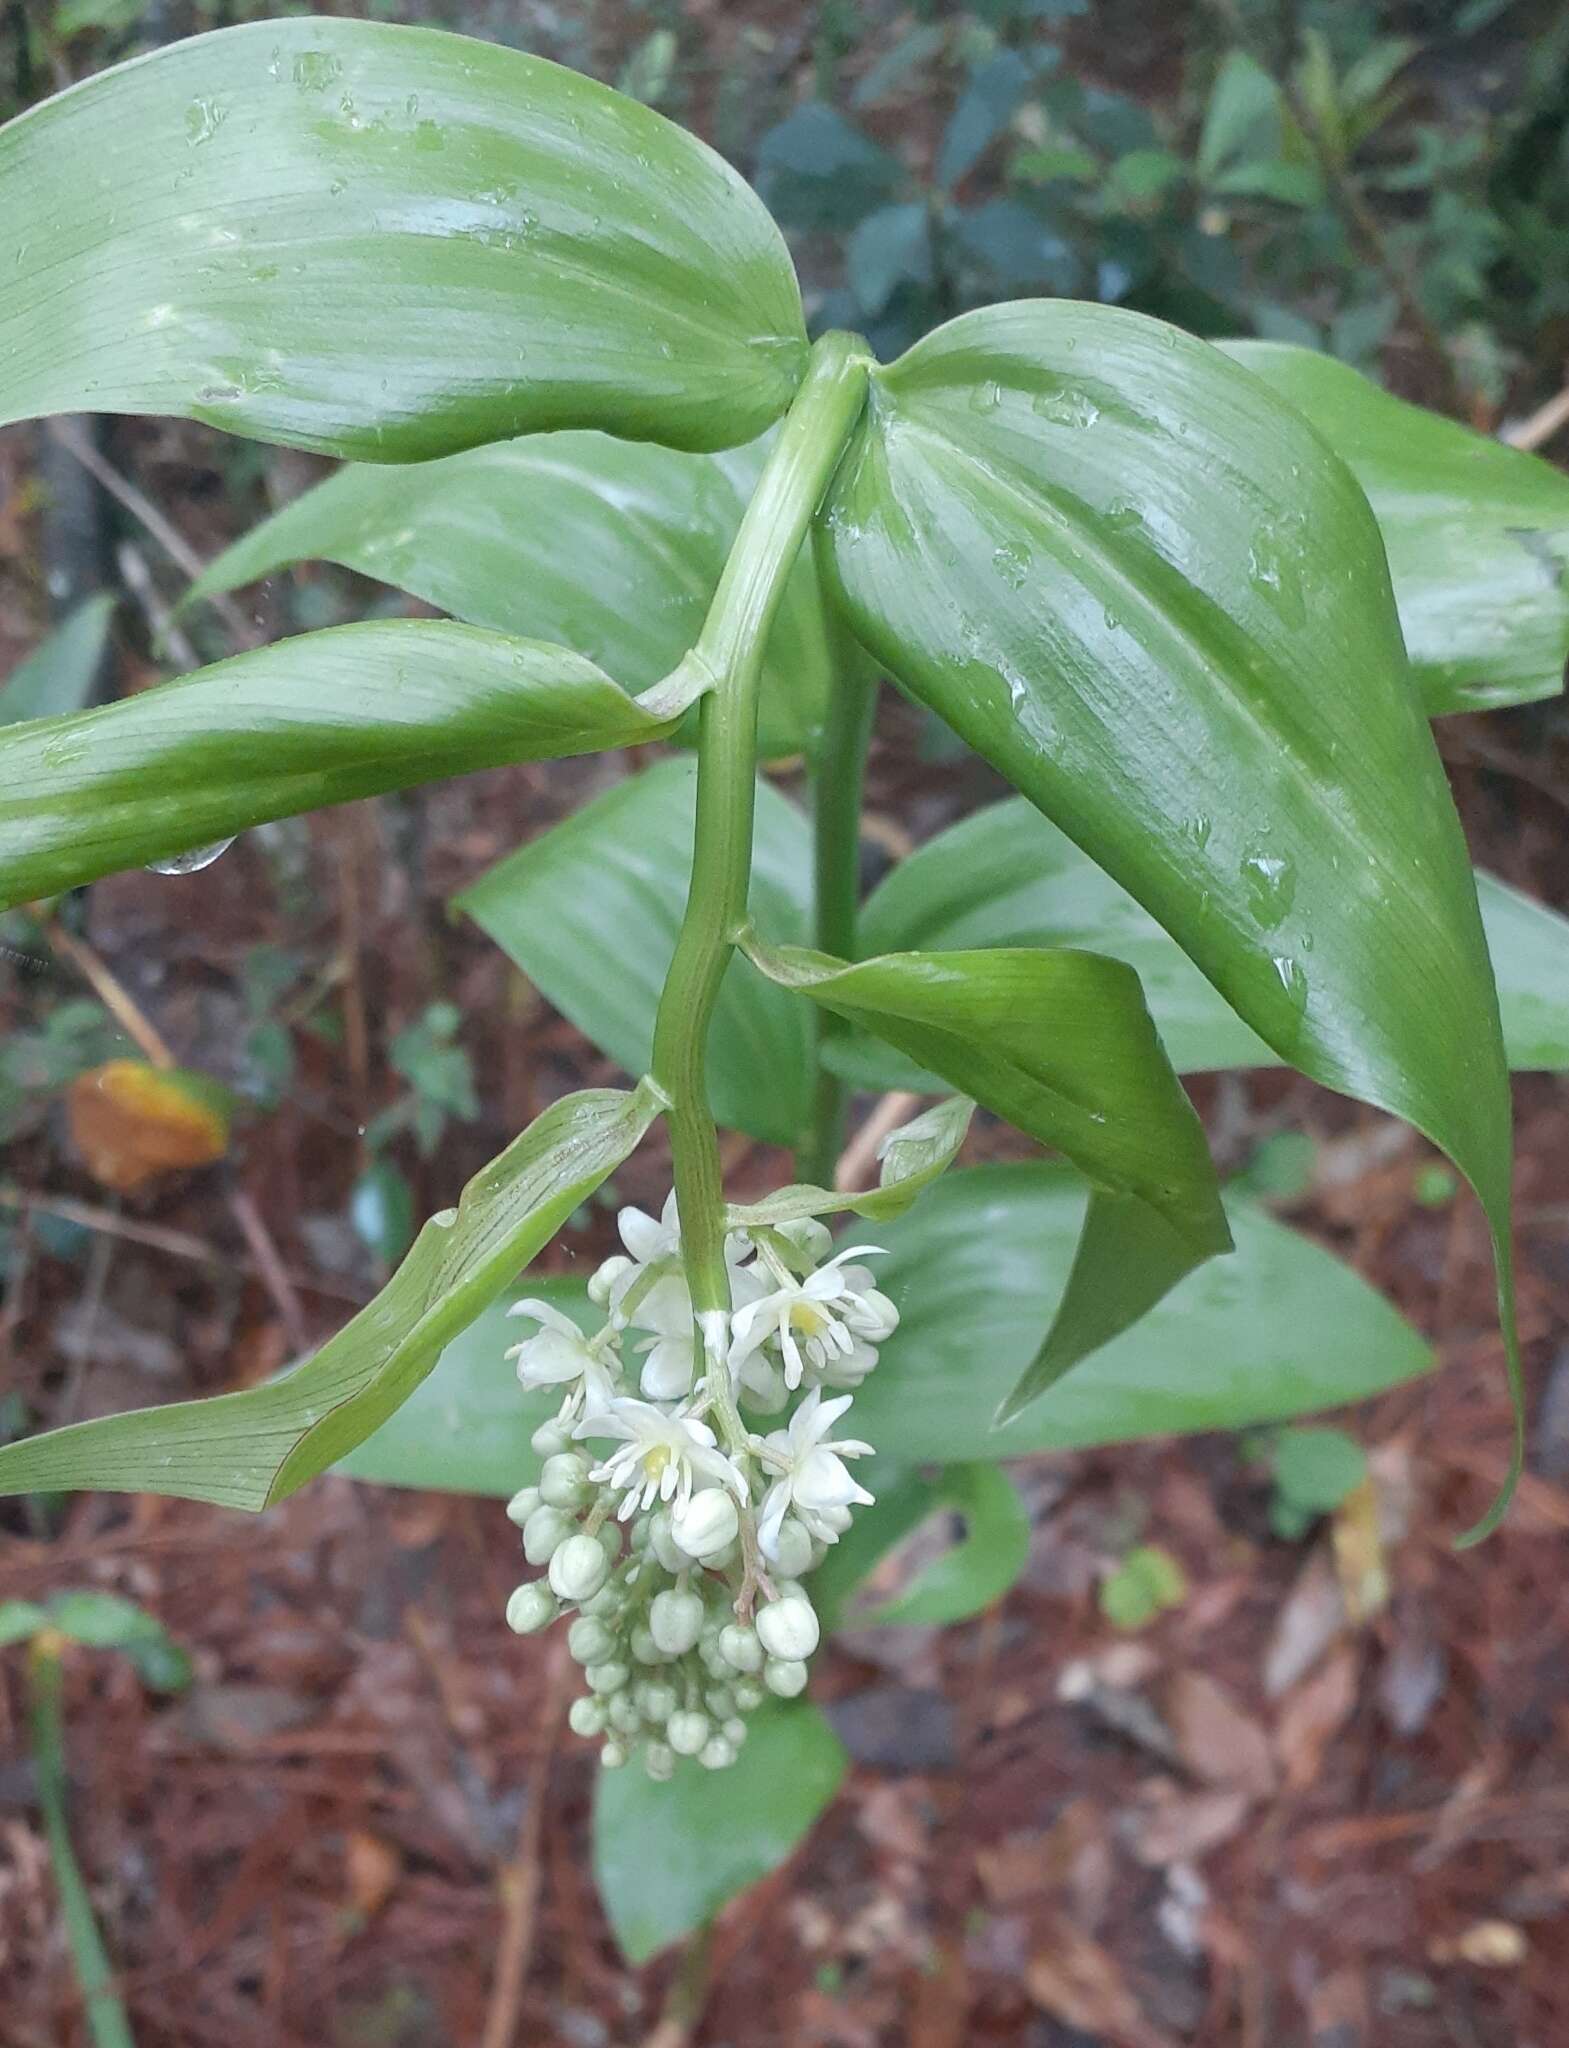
[1078, 1982]
[1171, 1826]
[1219, 1742]
[1313, 1716]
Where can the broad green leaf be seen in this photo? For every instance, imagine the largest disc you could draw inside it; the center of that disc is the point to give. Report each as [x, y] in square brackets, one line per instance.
[105, 1621]
[1007, 877]
[668, 1856]
[1146, 1584]
[1278, 1329]
[306, 722]
[1316, 1468]
[1059, 1043]
[608, 547]
[57, 676]
[250, 1449]
[1477, 533]
[590, 912]
[980, 1567]
[384, 242]
[1139, 583]
[20, 1619]
[911, 1158]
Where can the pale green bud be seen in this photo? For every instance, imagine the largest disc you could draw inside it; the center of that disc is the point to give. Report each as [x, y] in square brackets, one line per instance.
[563, 1482]
[544, 1531]
[644, 1648]
[675, 1621]
[622, 1714]
[749, 1695]
[787, 1628]
[530, 1609]
[656, 1700]
[522, 1505]
[785, 1676]
[609, 1540]
[734, 1731]
[794, 1552]
[586, 1717]
[716, 1754]
[605, 1605]
[612, 1756]
[550, 1438]
[706, 1524]
[739, 1647]
[604, 1277]
[578, 1568]
[659, 1762]
[720, 1701]
[590, 1642]
[606, 1677]
[687, 1731]
[664, 1545]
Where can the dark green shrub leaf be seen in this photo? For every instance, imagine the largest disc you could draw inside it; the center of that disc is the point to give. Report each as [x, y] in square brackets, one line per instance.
[250, 1449]
[57, 676]
[306, 722]
[815, 169]
[384, 242]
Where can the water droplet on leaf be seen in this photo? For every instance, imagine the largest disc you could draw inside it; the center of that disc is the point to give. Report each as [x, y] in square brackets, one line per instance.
[193, 862]
[1271, 884]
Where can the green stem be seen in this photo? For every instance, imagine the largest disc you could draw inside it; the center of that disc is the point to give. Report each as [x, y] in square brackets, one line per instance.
[836, 830]
[106, 2018]
[730, 650]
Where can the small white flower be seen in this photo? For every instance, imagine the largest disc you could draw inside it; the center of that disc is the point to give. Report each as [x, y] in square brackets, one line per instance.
[661, 1456]
[812, 1477]
[817, 1321]
[663, 1307]
[559, 1355]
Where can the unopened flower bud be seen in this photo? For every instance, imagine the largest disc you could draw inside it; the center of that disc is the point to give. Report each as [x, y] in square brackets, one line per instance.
[687, 1731]
[606, 1604]
[564, 1480]
[787, 1628]
[589, 1641]
[612, 1755]
[550, 1438]
[656, 1701]
[604, 1278]
[606, 1678]
[720, 1701]
[705, 1523]
[644, 1648]
[792, 1553]
[586, 1717]
[734, 1731]
[716, 1754]
[530, 1609]
[785, 1676]
[544, 1531]
[609, 1540]
[659, 1761]
[578, 1568]
[675, 1621]
[813, 1240]
[621, 1711]
[663, 1544]
[749, 1695]
[522, 1504]
[740, 1648]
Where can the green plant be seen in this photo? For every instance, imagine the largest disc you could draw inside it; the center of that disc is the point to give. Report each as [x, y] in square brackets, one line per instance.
[1314, 1471]
[1130, 570]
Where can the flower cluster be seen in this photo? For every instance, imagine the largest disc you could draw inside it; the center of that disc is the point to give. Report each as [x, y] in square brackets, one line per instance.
[682, 1537]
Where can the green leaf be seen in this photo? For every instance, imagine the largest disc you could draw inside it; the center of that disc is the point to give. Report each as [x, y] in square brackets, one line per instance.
[891, 247]
[384, 242]
[1059, 1043]
[57, 676]
[20, 1619]
[306, 722]
[250, 1449]
[608, 547]
[979, 1569]
[103, 1621]
[1316, 1468]
[815, 169]
[1243, 115]
[1007, 877]
[992, 96]
[910, 1159]
[1278, 1329]
[620, 869]
[1140, 585]
[1147, 1582]
[668, 1856]
[1477, 533]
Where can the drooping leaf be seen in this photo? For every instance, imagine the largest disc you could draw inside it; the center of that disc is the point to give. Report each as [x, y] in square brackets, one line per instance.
[247, 1450]
[1138, 582]
[1477, 533]
[384, 242]
[288, 728]
[590, 912]
[1007, 877]
[911, 1158]
[978, 1266]
[1059, 1043]
[978, 1569]
[668, 1856]
[57, 676]
[605, 546]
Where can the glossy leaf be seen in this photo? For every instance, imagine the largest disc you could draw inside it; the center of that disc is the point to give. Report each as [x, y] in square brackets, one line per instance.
[621, 866]
[1060, 1044]
[977, 1570]
[604, 546]
[1140, 584]
[668, 1856]
[58, 675]
[1007, 877]
[291, 727]
[1278, 1329]
[247, 1450]
[1477, 533]
[384, 242]
[911, 1158]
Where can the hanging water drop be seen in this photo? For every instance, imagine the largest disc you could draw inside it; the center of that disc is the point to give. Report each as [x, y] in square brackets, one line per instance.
[193, 862]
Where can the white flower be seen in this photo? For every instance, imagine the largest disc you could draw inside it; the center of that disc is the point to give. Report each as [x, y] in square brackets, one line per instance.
[662, 1304]
[817, 1321]
[812, 1477]
[559, 1355]
[661, 1456]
